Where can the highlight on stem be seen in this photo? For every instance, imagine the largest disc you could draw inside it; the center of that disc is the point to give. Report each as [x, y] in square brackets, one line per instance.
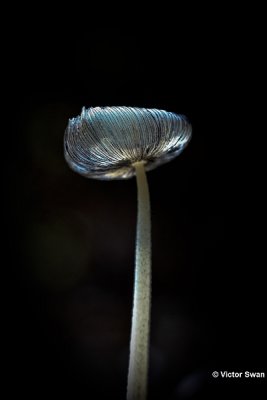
[119, 143]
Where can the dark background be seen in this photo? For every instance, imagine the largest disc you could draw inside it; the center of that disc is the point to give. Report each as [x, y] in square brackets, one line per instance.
[71, 240]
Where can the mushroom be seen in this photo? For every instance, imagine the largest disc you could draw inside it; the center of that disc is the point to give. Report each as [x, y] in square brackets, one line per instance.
[118, 143]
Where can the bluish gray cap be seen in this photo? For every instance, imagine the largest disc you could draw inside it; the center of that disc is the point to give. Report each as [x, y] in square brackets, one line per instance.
[105, 142]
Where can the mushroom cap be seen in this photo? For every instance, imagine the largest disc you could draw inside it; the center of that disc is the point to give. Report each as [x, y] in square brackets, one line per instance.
[105, 142]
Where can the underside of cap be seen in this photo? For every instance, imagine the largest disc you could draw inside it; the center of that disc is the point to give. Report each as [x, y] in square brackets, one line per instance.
[104, 143]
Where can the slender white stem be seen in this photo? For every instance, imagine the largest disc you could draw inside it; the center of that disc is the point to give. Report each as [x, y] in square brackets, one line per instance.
[139, 344]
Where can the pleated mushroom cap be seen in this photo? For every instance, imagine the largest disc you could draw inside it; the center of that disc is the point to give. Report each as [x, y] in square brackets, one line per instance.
[105, 142]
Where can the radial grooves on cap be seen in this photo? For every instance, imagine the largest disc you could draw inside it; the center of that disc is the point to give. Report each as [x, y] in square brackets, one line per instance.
[104, 142]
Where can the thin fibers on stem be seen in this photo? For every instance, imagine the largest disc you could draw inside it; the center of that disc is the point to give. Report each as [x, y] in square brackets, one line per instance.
[139, 344]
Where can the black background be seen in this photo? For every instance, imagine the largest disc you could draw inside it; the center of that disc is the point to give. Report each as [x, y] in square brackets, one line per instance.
[71, 240]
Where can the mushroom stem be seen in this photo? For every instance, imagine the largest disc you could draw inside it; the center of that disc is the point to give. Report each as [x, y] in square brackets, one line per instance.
[139, 343]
